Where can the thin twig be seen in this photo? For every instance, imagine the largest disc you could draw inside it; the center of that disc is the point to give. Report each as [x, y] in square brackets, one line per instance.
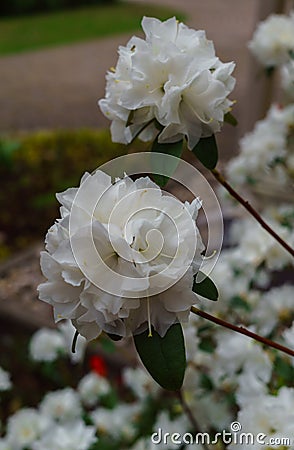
[242, 330]
[219, 177]
[191, 417]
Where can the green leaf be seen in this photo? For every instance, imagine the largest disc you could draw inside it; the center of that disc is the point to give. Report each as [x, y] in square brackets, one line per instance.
[163, 169]
[207, 345]
[206, 288]
[239, 302]
[229, 118]
[206, 151]
[164, 357]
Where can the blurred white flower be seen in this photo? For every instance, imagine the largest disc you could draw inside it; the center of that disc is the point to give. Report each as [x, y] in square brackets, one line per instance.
[46, 345]
[274, 306]
[271, 415]
[68, 331]
[5, 444]
[250, 388]
[91, 387]
[256, 246]
[172, 76]
[265, 151]
[25, 427]
[118, 422]
[164, 425]
[62, 405]
[273, 40]
[229, 361]
[140, 382]
[5, 383]
[137, 252]
[70, 436]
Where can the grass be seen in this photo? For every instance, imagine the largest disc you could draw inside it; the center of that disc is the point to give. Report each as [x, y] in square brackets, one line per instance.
[76, 25]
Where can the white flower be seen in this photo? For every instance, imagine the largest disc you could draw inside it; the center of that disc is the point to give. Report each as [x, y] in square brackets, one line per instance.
[122, 257]
[265, 149]
[70, 436]
[91, 387]
[46, 345]
[250, 388]
[256, 246]
[270, 415]
[63, 405]
[229, 360]
[67, 330]
[273, 40]
[139, 382]
[117, 422]
[172, 76]
[165, 425]
[5, 383]
[269, 311]
[25, 427]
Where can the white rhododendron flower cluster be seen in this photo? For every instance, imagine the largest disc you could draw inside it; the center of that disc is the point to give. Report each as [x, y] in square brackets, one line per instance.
[114, 245]
[268, 151]
[171, 77]
[273, 41]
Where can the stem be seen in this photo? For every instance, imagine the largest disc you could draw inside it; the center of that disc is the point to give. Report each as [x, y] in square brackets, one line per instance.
[74, 342]
[219, 177]
[242, 330]
[191, 417]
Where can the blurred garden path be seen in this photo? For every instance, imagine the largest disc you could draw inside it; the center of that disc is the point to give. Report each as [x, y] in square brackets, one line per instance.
[59, 87]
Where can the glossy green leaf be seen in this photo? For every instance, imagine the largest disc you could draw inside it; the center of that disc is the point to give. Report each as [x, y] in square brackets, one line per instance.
[229, 118]
[206, 288]
[163, 170]
[206, 151]
[164, 357]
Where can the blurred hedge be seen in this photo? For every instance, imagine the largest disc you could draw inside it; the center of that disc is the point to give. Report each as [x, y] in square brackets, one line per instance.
[35, 167]
[15, 7]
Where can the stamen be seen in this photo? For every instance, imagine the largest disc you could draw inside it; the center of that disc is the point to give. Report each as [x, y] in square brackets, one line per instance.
[149, 317]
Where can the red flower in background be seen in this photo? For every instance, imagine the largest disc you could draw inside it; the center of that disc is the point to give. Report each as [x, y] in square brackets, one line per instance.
[98, 365]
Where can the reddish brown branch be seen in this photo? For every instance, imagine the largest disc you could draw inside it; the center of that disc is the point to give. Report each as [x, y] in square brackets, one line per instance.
[218, 176]
[242, 330]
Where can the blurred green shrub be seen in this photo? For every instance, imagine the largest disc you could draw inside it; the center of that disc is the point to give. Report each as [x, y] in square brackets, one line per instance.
[35, 167]
[15, 7]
